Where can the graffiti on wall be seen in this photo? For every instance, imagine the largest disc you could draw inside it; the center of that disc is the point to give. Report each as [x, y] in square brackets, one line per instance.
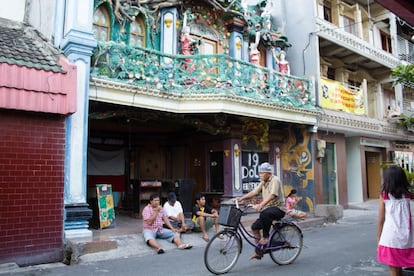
[297, 166]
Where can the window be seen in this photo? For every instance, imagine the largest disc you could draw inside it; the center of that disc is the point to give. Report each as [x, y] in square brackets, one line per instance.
[331, 73]
[354, 83]
[101, 24]
[386, 41]
[327, 11]
[137, 33]
[349, 25]
[207, 47]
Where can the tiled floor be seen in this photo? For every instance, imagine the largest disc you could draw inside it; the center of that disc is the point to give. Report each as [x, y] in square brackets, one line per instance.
[125, 224]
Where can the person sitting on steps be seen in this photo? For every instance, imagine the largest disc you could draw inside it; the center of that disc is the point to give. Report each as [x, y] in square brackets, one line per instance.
[152, 216]
[291, 206]
[174, 211]
[204, 217]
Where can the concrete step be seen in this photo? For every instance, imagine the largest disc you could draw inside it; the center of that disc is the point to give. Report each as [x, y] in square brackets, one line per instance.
[309, 221]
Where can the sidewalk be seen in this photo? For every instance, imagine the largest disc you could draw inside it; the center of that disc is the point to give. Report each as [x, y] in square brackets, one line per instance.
[125, 240]
[129, 242]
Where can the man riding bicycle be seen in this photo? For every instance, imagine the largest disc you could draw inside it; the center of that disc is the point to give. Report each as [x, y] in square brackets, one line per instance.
[271, 207]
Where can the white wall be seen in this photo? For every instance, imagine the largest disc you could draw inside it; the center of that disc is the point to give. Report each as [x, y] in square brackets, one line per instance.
[41, 15]
[354, 172]
[12, 10]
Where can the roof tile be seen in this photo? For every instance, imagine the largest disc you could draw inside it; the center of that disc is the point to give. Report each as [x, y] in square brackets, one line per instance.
[23, 45]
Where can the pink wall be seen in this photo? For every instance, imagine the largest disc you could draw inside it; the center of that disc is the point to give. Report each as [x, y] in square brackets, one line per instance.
[30, 89]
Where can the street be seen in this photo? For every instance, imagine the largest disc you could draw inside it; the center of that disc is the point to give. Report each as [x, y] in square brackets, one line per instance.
[344, 248]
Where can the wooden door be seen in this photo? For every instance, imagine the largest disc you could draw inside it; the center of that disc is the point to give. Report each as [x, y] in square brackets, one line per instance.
[373, 160]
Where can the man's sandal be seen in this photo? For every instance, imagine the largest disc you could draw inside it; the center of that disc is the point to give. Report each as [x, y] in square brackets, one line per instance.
[185, 246]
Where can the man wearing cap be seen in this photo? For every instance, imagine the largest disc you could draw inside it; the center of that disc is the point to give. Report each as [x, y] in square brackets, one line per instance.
[269, 207]
[174, 211]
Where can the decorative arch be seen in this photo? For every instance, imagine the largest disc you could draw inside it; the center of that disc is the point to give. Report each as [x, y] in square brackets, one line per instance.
[137, 32]
[101, 23]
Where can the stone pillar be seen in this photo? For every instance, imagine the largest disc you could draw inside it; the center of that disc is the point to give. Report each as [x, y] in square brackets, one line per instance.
[73, 32]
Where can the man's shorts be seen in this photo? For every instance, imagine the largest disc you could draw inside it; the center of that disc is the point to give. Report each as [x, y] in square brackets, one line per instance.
[165, 234]
[208, 224]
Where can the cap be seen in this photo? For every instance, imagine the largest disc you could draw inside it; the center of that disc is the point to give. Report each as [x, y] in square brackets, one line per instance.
[172, 197]
[265, 167]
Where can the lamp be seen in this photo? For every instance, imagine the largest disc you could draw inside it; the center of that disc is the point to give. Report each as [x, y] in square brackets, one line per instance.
[226, 153]
[168, 22]
[238, 45]
[277, 151]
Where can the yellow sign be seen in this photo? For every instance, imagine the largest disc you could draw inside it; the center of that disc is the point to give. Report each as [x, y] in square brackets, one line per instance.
[336, 96]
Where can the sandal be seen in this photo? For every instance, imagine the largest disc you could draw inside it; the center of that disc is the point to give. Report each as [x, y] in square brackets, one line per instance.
[185, 246]
[206, 239]
[160, 251]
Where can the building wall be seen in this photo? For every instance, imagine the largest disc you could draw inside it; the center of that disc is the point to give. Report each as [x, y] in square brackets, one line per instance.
[354, 170]
[303, 56]
[341, 162]
[13, 10]
[31, 184]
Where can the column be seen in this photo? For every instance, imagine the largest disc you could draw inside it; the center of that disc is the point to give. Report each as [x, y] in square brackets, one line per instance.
[73, 32]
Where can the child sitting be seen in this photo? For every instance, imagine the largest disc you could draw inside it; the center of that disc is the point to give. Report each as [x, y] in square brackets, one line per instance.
[291, 206]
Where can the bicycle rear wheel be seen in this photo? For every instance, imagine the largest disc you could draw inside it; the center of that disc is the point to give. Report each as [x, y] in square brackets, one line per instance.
[290, 239]
[222, 251]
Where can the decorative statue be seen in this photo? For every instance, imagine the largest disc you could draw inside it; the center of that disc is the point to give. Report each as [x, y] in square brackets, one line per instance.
[254, 52]
[281, 62]
[189, 46]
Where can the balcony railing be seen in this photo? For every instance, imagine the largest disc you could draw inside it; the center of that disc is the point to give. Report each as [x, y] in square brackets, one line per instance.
[199, 74]
[331, 32]
[405, 49]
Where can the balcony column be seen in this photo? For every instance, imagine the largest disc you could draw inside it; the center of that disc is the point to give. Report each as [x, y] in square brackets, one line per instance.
[236, 49]
[77, 42]
[169, 31]
[393, 34]
[358, 19]
[399, 97]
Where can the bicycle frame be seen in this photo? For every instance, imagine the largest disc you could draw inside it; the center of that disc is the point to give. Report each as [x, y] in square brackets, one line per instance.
[244, 234]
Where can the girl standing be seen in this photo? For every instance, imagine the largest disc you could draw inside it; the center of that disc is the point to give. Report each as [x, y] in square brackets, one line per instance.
[395, 231]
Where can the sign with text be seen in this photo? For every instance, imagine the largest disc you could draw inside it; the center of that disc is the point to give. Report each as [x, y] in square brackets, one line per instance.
[339, 97]
[250, 169]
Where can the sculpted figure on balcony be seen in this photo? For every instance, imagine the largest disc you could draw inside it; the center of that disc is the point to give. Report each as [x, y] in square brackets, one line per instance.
[281, 62]
[189, 46]
[254, 52]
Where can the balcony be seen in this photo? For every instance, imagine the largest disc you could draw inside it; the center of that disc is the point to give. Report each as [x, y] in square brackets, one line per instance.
[212, 76]
[405, 49]
[351, 42]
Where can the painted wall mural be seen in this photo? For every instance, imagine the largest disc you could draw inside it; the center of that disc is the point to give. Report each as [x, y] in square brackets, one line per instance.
[297, 167]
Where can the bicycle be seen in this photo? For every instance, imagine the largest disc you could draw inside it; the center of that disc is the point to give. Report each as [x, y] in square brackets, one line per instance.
[223, 250]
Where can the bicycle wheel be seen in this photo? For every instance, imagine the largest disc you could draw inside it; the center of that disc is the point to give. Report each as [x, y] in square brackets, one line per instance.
[222, 251]
[290, 239]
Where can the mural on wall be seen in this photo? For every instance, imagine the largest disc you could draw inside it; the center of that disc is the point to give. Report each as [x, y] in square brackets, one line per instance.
[297, 166]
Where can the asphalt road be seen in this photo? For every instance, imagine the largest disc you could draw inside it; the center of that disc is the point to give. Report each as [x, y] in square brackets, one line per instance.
[344, 248]
[347, 247]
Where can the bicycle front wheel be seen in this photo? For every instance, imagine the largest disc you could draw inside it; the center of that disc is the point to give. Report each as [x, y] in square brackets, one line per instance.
[289, 240]
[222, 251]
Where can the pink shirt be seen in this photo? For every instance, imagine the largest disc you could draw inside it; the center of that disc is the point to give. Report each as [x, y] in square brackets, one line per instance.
[289, 201]
[157, 224]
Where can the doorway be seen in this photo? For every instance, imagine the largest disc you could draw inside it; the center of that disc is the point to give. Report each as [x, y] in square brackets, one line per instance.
[373, 174]
[216, 172]
[329, 175]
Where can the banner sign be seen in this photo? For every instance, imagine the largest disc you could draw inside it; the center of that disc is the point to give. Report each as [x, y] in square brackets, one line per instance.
[250, 169]
[339, 97]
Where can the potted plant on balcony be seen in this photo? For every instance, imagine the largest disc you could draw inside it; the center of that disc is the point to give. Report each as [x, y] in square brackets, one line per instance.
[407, 121]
